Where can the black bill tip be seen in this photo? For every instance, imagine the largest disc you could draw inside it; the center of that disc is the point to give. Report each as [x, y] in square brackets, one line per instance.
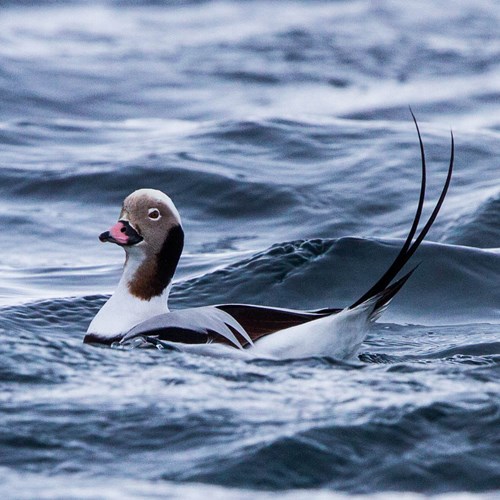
[103, 237]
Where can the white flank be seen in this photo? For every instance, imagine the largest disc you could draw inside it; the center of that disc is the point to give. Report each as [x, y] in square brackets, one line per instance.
[337, 336]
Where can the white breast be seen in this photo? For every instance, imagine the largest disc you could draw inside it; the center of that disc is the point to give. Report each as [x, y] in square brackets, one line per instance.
[124, 311]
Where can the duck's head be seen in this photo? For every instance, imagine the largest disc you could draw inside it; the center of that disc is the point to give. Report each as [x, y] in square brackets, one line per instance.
[146, 218]
[150, 231]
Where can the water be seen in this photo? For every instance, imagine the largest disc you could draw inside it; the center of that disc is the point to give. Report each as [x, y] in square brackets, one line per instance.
[282, 132]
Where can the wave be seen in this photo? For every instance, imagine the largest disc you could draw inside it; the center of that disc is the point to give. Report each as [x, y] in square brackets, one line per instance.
[392, 451]
[480, 227]
[211, 192]
[186, 420]
[452, 284]
[27, 485]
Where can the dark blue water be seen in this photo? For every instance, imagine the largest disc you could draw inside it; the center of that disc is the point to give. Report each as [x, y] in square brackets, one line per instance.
[282, 132]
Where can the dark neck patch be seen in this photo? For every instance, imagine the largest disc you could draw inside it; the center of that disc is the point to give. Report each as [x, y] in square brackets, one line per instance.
[157, 271]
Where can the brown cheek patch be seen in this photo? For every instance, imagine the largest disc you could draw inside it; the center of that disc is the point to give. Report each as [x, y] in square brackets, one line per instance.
[157, 271]
[146, 283]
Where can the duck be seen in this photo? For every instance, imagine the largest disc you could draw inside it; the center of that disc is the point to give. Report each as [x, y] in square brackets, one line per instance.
[150, 231]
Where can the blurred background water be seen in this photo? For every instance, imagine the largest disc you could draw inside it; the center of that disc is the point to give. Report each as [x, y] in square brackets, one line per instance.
[282, 132]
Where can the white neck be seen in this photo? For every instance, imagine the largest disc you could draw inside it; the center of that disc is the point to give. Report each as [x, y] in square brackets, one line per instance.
[123, 310]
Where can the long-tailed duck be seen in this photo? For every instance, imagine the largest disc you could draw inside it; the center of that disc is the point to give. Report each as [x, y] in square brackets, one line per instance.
[150, 231]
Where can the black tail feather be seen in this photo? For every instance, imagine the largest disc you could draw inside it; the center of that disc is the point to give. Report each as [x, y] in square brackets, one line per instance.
[409, 248]
[435, 212]
[387, 295]
[399, 261]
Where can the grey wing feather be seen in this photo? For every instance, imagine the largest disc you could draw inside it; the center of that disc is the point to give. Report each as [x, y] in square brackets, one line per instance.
[202, 320]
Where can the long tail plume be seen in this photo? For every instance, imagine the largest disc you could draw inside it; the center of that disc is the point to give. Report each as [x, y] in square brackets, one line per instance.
[409, 247]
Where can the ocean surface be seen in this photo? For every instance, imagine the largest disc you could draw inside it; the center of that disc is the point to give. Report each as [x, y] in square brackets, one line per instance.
[282, 132]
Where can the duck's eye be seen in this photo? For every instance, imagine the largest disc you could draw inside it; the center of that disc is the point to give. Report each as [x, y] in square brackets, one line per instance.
[154, 213]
